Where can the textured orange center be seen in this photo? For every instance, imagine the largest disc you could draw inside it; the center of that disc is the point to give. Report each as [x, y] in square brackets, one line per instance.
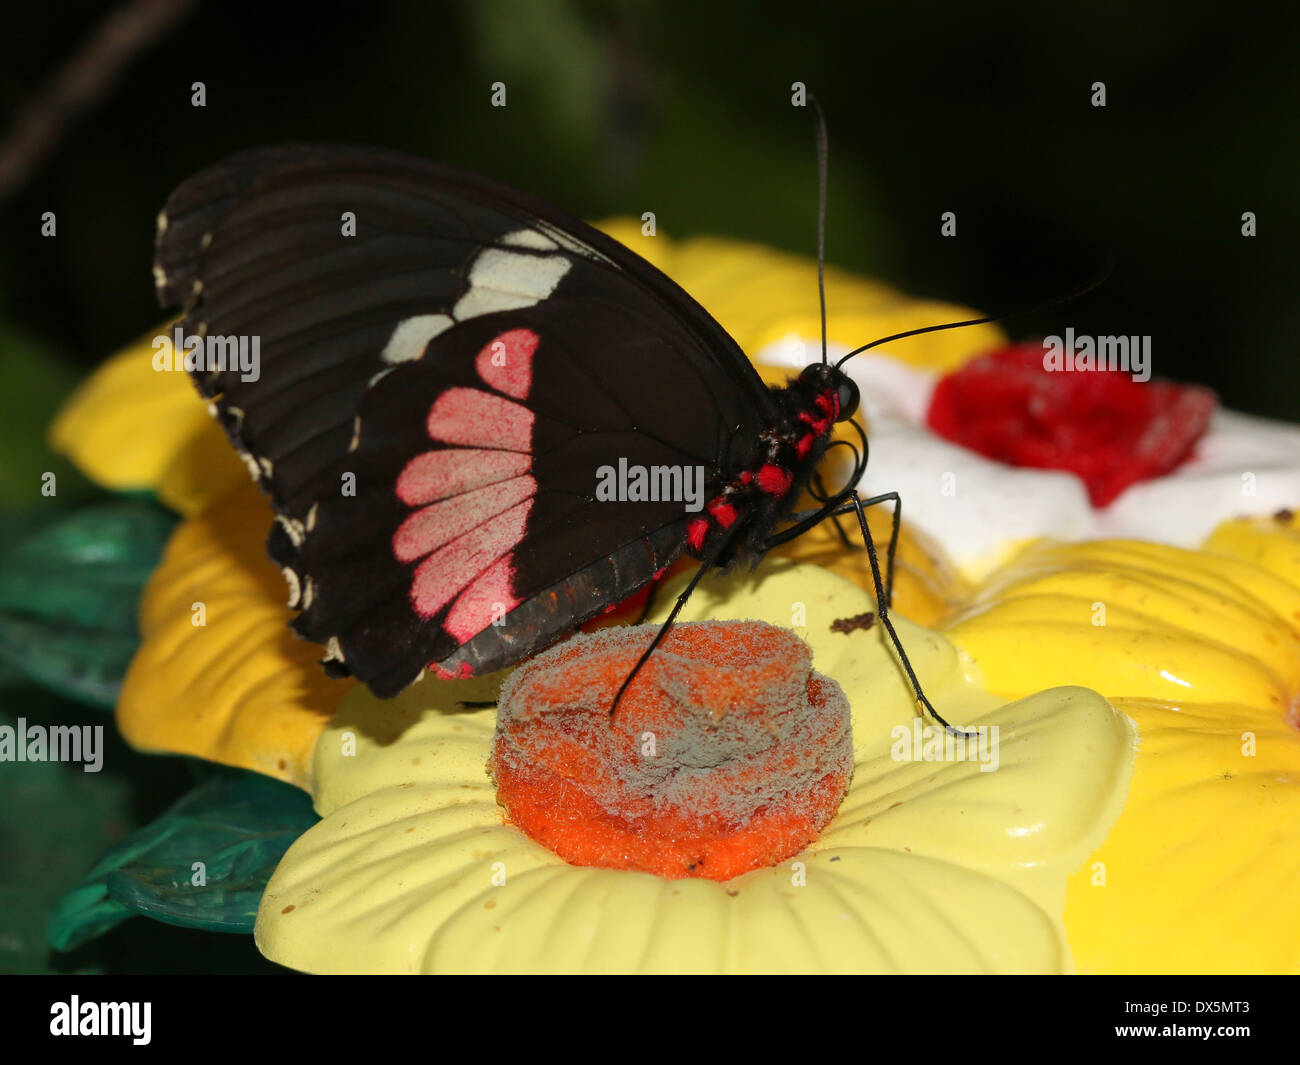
[727, 753]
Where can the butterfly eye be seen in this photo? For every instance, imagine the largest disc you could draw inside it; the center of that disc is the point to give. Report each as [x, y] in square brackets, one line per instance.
[848, 397]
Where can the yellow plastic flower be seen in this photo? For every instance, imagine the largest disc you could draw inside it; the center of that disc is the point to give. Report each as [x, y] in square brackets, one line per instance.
[1197, 646]
[929, 866]
[219, 675]
[1202, 650]
[133, 428]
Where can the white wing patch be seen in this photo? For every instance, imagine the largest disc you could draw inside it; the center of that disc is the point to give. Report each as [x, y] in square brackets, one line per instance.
[291, 579]
[499, 280]
[412, 335]
[506, 281]
[529, 238]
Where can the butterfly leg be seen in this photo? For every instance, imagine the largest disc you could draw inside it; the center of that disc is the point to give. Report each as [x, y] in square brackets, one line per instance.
[851, 502]
[882, 601]
[820, 484]
[833, 510]
[706, 564]
[893, 539]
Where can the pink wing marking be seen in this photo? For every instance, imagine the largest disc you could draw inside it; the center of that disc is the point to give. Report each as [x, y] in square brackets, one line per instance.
[473, 418]
[439, 523]
[506, 363]
[436, 475]
[490, 597]
[441, 576]
[460, 673]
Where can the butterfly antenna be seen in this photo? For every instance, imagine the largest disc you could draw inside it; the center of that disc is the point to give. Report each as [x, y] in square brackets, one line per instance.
[1107, 268]
[823, 154]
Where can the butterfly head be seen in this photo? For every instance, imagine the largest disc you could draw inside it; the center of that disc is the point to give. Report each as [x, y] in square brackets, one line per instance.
[821, 378]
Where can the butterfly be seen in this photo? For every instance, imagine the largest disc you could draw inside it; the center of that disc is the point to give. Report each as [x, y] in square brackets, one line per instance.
[449, 369]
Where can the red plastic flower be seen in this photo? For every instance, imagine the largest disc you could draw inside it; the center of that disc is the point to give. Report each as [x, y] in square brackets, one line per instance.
[1098, 424]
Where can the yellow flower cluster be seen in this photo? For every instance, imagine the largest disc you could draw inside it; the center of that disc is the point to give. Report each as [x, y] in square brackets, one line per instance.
[1074, 854]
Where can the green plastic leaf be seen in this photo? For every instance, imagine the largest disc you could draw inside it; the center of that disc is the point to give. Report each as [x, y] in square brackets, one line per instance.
[69, 589]
[203, 864]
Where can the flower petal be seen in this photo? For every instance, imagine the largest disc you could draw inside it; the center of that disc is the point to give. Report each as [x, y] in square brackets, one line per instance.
[1200, 649]
[413, 869]
[1193, 877]
[240, 688]
[1135, 620]
[1273, 544]
[181, 455]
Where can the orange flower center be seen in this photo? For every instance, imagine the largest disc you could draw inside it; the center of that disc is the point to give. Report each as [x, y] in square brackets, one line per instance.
[727, 753]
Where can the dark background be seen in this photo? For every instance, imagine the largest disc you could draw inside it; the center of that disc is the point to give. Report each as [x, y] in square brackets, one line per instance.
[682, 108]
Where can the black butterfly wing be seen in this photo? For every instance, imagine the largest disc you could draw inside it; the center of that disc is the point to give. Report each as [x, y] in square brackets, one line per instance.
[445, 364]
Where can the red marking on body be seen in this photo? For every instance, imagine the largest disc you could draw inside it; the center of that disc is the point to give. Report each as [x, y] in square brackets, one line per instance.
[432, 526]
[829, 404]
[435, 475]
[803, 445]
[506, 363]
[489, 597]
[746, 476]
[441, 576]
[775, 481]
[817, 425]
[479, 419]
[462, 671]
[723, 513]
[696, 531]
